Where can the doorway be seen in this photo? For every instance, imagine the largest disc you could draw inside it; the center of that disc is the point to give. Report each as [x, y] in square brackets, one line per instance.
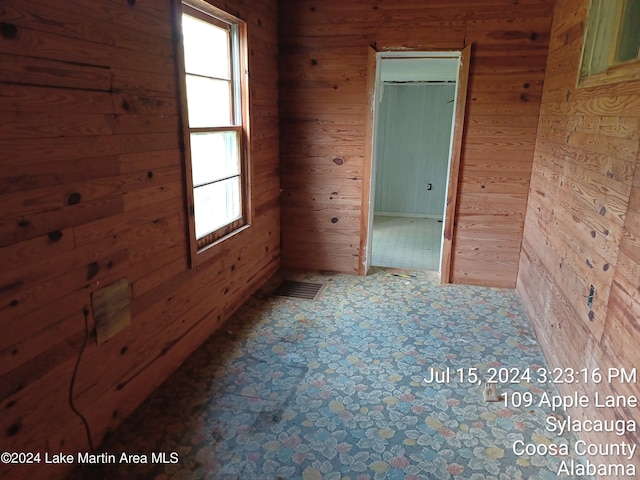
[415, 126]
[412, 153]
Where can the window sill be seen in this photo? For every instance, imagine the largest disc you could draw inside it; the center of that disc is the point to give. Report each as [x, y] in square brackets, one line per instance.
[625, 72]
[218, 249]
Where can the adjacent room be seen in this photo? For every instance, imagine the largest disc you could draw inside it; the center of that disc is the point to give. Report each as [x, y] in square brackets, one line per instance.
[458, 180]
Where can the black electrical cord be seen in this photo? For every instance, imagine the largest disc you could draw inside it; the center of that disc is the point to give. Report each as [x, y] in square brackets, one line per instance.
[85, 311]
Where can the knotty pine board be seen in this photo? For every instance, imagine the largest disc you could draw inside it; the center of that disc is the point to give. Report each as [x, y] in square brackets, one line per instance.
[323, 71]
[582, 226]
[91, 191]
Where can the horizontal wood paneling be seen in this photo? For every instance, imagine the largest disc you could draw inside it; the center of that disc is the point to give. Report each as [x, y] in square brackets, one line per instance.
[323, 79]
[91, 191]
[582, 227]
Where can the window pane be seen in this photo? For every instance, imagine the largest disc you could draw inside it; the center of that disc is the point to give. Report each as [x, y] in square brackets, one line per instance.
[206, 48]
[208, 102]
[214, 155]
[629, 40]
[217, 205]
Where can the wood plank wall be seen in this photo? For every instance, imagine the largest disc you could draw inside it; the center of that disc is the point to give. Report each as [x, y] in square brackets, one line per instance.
[323, 78]
[91, 191]
[583, 225]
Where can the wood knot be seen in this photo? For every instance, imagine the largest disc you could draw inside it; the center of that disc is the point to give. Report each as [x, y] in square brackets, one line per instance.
[13, 430]
[314, 62]
[74, 198]
[8, 30]
[92, 270]
[55, 236]
[338, 161]
[334, 220]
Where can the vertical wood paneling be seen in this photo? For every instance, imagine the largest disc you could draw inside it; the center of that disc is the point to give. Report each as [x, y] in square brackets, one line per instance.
[582, 227]
[91, 192]
[324, 105]
[413, 149]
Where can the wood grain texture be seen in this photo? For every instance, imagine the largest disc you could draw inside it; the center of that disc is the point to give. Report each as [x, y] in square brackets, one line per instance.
[324, 109]
[91, 193]
[582, 227]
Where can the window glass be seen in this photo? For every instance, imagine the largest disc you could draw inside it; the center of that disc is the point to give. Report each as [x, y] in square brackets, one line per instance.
[214, 156]
[208, 102]
[629, 37]
[206, 48]
[217, 205]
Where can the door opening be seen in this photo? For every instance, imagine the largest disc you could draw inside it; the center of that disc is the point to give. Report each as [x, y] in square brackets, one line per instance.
[416, 122]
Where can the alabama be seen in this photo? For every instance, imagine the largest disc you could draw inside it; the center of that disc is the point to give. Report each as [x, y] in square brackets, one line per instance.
[614, 470]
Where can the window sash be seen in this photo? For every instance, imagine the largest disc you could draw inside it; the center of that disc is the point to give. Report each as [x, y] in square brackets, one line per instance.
[218, 200]
[605, 56]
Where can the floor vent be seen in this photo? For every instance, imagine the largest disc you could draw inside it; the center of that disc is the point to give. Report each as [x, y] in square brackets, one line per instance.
[302, 290]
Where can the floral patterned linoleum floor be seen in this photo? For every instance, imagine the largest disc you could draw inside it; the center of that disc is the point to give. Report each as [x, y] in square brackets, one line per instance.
[335, 389]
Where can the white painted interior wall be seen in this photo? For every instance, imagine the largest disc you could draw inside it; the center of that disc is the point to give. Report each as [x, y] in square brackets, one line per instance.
[414, 134]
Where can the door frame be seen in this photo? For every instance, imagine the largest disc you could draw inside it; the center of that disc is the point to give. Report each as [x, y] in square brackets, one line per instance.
[369, 171]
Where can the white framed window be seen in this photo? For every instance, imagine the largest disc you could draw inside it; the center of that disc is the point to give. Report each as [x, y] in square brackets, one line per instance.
[611, 48]
[213, 81]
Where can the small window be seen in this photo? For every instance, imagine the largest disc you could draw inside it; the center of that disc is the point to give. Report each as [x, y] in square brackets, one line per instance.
[611, 49]
[213, 83]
